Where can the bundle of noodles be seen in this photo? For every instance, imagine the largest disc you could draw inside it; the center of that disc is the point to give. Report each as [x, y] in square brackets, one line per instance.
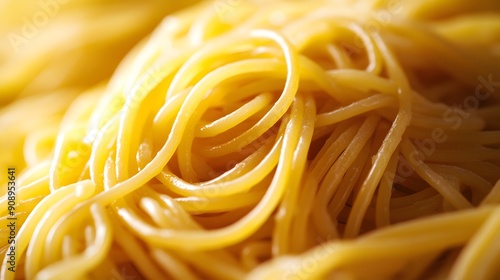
[277, 140]
[51, 50]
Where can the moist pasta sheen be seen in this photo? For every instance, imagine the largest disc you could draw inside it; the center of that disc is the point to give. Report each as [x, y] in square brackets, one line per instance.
[275, 140]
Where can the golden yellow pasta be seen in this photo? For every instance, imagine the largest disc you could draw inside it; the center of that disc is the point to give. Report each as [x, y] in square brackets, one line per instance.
[341, 139]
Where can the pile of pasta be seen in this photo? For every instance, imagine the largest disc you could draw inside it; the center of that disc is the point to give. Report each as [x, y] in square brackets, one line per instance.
[256, 139]
[52, 50]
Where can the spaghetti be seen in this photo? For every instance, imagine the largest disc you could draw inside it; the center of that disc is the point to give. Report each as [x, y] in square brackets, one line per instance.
[277, 140]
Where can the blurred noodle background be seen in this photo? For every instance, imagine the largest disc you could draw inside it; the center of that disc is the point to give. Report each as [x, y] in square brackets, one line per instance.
[53, 50]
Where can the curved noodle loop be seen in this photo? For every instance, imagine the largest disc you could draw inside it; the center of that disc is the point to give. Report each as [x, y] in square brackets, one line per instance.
[276, 140]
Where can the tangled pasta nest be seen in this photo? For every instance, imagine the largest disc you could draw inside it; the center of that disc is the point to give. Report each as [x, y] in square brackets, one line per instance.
[274, 140]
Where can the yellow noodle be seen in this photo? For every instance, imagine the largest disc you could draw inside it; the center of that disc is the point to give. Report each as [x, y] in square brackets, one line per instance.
[262, 139]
